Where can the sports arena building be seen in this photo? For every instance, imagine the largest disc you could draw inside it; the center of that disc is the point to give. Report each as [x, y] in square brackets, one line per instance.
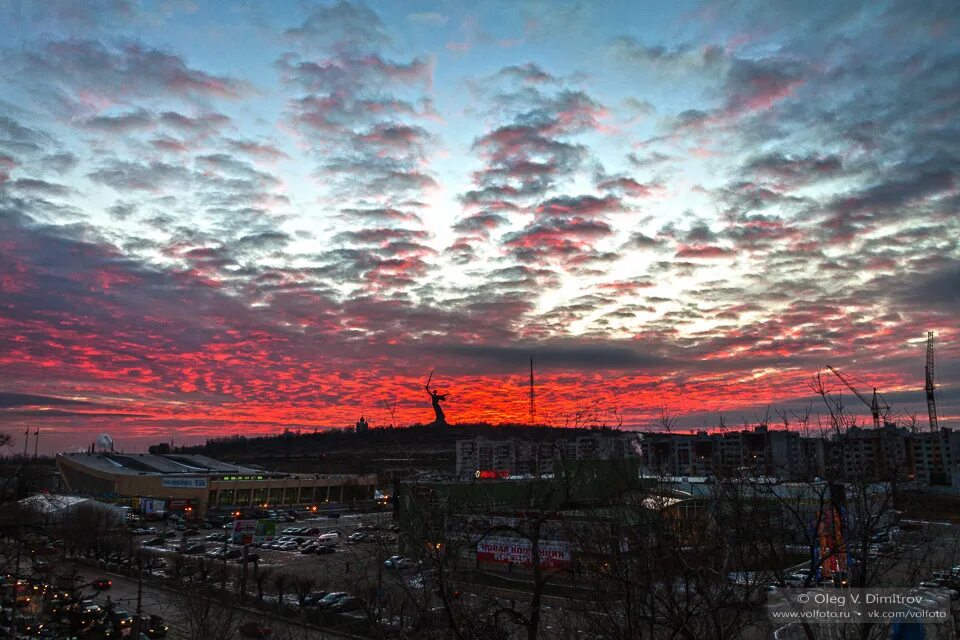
[195, 484]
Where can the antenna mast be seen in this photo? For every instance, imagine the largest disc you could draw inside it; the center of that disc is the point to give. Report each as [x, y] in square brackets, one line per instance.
[533, 406]
[930, 387]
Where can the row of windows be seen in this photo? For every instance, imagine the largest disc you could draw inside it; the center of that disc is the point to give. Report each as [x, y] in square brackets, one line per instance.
[288, 495]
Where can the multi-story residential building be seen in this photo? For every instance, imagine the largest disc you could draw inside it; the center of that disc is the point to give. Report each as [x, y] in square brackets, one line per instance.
[487, 457]
[759, 450]
[872, 454]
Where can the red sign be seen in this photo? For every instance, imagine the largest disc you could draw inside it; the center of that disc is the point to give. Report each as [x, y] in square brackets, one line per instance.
[519, 551]
[492, 474]
[179, 505]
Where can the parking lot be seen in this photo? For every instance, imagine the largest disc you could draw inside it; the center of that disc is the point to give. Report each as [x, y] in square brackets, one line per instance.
[354, 543]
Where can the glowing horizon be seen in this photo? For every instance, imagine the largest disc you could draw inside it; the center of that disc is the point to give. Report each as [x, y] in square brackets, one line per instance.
[218, 217]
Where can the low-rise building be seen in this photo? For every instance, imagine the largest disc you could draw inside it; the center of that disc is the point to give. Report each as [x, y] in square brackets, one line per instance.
[194, 483]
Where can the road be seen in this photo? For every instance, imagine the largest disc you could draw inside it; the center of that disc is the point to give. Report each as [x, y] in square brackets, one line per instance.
[164, 601]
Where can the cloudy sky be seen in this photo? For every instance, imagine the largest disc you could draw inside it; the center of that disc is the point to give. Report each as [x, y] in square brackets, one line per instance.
[242, 216]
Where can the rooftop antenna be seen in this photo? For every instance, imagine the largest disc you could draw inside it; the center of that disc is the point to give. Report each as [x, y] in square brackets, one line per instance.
[533, 395]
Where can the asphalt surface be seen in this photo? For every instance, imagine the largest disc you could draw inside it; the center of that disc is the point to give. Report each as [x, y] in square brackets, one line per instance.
[331, 572]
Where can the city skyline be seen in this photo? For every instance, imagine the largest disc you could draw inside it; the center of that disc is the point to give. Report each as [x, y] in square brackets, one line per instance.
[234, 218]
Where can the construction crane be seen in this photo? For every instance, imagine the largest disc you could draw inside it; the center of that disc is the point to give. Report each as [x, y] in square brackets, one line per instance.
[878, 406]
[931, 402]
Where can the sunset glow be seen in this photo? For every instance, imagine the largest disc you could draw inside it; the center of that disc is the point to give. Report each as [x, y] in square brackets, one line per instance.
[224, 218]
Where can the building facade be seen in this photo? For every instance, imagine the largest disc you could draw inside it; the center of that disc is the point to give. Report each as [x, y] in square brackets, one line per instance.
[487, 457]
[197, 483]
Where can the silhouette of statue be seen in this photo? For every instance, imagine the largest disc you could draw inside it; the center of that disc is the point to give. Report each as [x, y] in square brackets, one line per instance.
[436, 398]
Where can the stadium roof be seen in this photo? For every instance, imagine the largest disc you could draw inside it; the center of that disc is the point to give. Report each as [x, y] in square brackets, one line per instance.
[140, 464]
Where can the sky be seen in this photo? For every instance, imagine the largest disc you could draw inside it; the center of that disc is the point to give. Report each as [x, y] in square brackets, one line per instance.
[242, 217]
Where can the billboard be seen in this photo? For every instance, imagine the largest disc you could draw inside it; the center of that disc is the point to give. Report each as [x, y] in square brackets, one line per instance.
[554, 554]
[149, 506]
[830, 545]
[248, 531]
[243, 531]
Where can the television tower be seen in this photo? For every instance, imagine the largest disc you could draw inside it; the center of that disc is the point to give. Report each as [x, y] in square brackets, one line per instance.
[533, 406]
[930, 387]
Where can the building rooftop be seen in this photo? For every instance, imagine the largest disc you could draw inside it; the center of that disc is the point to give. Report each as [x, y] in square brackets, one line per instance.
[139, 464]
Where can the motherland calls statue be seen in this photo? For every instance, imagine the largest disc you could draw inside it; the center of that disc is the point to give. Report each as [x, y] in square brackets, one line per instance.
[436, 398]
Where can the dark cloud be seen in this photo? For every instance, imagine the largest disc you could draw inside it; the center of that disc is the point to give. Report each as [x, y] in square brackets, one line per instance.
[42, 188]
[128, 122]
[558, 355]
[72, 69]
[668, 60]
[8, 400]
[136, 176]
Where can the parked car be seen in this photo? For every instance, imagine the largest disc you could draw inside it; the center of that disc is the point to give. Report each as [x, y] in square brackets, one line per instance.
[232, 554]
[102, 584]
[312, 598]
[158, 541]
[347, 604]
[324, 549]
[251, 557]
[195, 549]
[331, 599]
[332, 514]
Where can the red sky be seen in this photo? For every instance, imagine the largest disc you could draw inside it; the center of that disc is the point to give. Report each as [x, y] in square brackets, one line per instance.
[239, 218]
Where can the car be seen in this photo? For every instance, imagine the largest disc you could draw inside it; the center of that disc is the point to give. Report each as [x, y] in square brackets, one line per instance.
[312, 531]
[356, 537]
[153, 627]
[308, 548]
[254, 629]
[121, 619]
[233, 554]
[251, 557]
[216, 537]
[157, 541]
[194, 549]
[206, 525]
[392, 562]
[347, 604]
[331, 599]
[333, 515]
[102, 584]
[312, 598]
[323, 549]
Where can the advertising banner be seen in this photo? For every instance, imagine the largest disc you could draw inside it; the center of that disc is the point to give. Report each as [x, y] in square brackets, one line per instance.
[266, 530]
[185, 483]
[244, 531]
[554, 554]
[149, 506]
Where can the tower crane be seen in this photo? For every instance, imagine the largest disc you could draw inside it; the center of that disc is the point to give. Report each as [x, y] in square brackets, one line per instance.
[929, 388]
[878, 406]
